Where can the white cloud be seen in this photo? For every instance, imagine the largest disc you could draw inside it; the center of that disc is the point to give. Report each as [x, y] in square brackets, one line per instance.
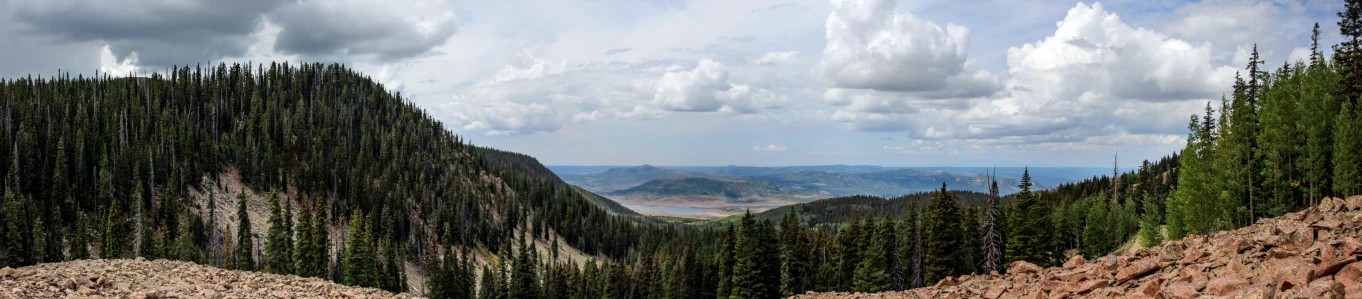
[770, 148]
[869, 46]
[1094, 76]
[109, 64]
[707, 89]
[774, 58]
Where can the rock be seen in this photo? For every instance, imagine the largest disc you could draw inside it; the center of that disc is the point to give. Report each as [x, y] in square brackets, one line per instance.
[1019, 267]
[1180, 290]
[1075, 261]
[1136, 270]
[1354, 202]
[1090, 286]
[1350, 275]
[1322, 288]
[995, 291]
[1330, 267]
[949, 281]
[1225, 286]
[1150, 288]
[1330, 224]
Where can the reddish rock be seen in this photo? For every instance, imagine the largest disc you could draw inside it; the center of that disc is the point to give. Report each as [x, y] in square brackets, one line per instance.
[1019, 267]
[1075, 261]
[1061, 286]
[1137, 270]
[1327, 224]
[1180, 290]
[1225, 286]
[1354, 202]
[1150, 288]
[995, 291]
[1090, 286]
[1350, 275]
[1330, 267]
[1322, 288]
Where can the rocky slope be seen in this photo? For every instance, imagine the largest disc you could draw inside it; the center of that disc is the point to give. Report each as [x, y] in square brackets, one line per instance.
[1308, 254]
[164, 279]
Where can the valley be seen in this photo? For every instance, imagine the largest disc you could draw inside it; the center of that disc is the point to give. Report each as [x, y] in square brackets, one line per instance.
[703, 192]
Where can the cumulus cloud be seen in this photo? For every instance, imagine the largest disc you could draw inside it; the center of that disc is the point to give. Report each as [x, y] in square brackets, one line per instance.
[165, 33]
[869, 46]
[350, 27]
[769, 148]
[706, 88]
[1094, 76]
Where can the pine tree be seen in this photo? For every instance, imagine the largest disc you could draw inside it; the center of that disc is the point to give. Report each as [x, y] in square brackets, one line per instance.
[277, 255]
[79, 244]
[244, 256]
[745, 260]
[918, 250]
[944, 240]
[1096, 228]
[13, 254]
[360, 264]
[725, 261]
[1348, 151]
[304, 256]
[524, 274]
[1349, 52]
[849, 242]
[1150, 233]
[794, 255]
[1030, 235]
[111, 245]
[871, 273]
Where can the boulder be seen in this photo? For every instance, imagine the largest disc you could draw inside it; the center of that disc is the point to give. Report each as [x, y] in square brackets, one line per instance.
[1019, 267]
[1180, 290]
[1225, 286]
[1075, 261]
[1137, 270]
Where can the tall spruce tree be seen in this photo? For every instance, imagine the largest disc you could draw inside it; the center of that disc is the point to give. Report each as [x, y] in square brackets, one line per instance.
[849, 244]
[1348, 151]
[944, 239]
[871, 273]
[1030, 235]
[277, 256]
[794, 257]
[244, 255]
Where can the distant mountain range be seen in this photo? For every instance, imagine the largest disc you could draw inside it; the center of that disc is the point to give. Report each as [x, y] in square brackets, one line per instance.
[831, 180]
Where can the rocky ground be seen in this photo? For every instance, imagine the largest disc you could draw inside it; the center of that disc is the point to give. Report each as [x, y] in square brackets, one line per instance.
[164, 279]
[1308, 254]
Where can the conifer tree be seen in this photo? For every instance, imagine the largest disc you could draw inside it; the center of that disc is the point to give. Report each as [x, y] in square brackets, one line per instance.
[1030, 235]
[871, 273]
[244, 256]
[889, 237]
[277, 255]
[918, 250]
[1348, 151]
[13, 254]
[794, 255]
[78, 247]
[849, 242]
[1150, 220]
[361, 267]
[944, 239]
[111, 245]
[524, 274]
[725, 261]
[749, 253]
[305, 257]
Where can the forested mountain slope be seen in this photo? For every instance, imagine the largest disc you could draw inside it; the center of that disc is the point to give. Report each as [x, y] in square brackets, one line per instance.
[103, 166]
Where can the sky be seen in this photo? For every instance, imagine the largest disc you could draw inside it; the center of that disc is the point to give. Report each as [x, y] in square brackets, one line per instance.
[721, 82]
